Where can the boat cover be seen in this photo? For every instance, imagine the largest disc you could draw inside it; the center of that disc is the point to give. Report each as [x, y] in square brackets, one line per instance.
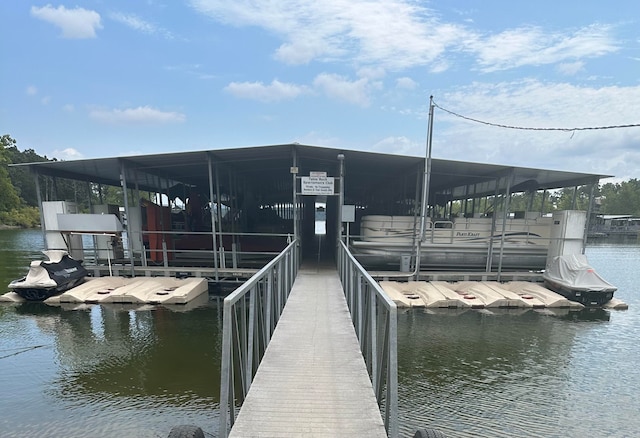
[58, 270]
[574, 272]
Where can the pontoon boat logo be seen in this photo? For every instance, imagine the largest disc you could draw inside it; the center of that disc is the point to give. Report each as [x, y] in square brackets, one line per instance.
[467, 234]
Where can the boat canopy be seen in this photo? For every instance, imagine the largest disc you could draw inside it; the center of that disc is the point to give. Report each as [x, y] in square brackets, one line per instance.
[574, 272]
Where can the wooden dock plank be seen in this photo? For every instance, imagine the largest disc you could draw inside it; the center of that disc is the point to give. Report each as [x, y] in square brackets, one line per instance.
[312, 380]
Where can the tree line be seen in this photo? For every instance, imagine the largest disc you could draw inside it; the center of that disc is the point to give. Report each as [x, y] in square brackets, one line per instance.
[19, 199]
[18, 193]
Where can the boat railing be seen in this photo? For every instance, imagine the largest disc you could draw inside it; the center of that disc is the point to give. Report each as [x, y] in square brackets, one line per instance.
[191, 248]
[464, 230]
[374, 317]
[250, 316]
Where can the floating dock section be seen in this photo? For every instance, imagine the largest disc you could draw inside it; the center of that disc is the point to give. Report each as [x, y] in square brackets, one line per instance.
[475, 295]
[123, 290]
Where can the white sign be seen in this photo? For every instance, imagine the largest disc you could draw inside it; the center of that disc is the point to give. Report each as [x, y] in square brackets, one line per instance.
[316, 185]
[348, 213]
[312, 173]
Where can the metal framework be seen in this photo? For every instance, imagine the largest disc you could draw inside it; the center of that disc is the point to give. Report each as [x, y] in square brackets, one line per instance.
[374, 317]
[250, 316]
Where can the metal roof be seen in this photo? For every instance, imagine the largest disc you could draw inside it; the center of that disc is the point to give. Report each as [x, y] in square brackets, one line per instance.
[266, 170]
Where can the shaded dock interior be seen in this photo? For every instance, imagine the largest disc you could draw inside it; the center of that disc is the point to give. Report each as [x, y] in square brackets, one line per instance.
[222, 214]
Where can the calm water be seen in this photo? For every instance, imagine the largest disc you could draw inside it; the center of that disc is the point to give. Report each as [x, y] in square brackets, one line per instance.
[114, 371]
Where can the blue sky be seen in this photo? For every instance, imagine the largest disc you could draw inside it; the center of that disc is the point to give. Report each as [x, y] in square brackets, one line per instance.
[98, 78]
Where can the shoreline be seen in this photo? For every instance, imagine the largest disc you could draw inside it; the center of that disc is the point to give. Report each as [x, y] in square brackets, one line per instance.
[8, 227]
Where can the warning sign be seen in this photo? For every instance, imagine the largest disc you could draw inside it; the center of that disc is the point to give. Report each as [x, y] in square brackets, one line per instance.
[316, 185]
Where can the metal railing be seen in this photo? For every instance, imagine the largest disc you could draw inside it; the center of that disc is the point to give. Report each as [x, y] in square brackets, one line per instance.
[374, 317]
[250, 316]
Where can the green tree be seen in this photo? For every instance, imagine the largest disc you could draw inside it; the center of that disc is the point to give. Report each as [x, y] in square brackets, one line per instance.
[621, 198]
[21, 178]
[563, 199]
[9, 198]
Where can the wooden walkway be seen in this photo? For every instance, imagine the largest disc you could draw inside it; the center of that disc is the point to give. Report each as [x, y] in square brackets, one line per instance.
[312, 380]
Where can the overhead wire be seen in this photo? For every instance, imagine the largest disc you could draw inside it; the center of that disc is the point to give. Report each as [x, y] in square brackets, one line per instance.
[528, 128]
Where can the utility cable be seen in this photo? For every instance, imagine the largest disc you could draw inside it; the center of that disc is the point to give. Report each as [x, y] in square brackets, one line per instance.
[498, 125]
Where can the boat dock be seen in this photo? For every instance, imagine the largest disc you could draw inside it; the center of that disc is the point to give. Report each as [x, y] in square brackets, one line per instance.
[312, 380]
[125, 290]
[475, 295]
[482, 295]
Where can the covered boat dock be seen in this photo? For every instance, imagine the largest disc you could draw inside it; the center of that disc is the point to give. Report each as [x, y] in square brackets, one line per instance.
[223, 213]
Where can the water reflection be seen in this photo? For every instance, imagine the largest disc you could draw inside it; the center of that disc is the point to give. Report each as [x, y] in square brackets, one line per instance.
[482, 374]
[137, 370]
[111, 362]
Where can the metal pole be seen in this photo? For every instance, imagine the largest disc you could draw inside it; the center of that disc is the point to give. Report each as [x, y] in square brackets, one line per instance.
[425, 188]
[294, 175]
[123, 181]
[340, 195]
[504, 221]
[586, 227]
[212, 213]
[493, 227]
[39, 196]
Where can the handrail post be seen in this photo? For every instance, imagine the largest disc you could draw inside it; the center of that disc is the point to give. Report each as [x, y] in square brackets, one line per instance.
[275, 281]
[381, 362]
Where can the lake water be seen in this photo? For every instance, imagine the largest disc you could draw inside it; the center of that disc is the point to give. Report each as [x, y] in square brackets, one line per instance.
[106, 371]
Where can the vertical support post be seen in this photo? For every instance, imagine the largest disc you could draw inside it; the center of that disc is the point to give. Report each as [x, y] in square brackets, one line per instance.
[226, 368]
[493, 226]
[294, 176]
[574, 198]
[392, 376]
[123, 182]
[425, 187]
[507, 195]
[340, 195]
[165, 255]
[589, 210]
[211, 212]
[39, 196]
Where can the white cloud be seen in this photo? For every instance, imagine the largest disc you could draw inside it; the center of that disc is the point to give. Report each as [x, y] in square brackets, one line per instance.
[570, 68]
[191, 69]
[139, 115]
[138, 24]
[75, 23]
[406, 83]
[334, 86]
[67, 154]
[45, 100]
[32, 90]
[274, 92]
[399, 34]
[536, 46]
[69, 108]
[340, 88]
[398, 145]
[536, 104]
[394, 33]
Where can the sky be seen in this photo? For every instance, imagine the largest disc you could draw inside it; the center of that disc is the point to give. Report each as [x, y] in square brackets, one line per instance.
[105, 78]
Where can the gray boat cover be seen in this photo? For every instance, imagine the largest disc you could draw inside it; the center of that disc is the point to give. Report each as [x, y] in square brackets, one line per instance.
[574, 272]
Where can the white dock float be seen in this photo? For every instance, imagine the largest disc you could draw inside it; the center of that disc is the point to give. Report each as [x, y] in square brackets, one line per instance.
[548, 297]
[312, 380]
[158, 290]
[491, 296]
[94, 290]
[424, 294]
[481, 295]
[403, 294]
[11, 297]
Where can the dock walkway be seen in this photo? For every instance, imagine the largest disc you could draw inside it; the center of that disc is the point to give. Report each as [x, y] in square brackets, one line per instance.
[312, 380]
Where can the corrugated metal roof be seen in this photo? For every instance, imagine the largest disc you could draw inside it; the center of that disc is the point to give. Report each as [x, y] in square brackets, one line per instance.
[266, 170]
